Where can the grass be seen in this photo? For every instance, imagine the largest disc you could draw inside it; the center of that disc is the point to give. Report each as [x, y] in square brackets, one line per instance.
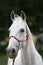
[3, 59]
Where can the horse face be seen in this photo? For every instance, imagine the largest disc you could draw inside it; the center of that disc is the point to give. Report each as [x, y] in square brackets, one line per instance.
[17, 36]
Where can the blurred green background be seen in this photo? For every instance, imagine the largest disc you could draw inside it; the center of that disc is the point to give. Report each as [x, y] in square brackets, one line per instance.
[34, 14]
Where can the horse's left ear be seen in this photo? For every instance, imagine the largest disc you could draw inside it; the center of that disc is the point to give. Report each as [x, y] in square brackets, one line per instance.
[12, 15]
[23, 15]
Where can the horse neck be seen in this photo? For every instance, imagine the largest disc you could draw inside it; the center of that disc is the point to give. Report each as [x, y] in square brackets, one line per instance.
[25, 56]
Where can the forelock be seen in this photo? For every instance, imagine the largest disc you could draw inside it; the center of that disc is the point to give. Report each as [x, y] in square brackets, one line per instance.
[16, 19]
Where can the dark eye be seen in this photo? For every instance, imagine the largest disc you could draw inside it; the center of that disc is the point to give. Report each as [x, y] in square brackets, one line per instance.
[22, 30]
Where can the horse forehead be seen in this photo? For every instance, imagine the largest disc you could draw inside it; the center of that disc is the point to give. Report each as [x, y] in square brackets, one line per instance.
[19, 23]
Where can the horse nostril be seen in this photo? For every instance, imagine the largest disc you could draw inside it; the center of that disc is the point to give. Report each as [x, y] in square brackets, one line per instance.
[13, 50]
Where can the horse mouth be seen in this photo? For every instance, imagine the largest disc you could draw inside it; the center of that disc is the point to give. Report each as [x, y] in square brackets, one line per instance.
[11, 54]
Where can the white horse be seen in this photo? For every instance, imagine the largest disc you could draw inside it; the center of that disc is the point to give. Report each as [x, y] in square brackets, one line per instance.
[21, 46]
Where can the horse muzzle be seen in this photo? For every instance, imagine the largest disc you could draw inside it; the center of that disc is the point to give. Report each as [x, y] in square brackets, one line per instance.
[11, 53]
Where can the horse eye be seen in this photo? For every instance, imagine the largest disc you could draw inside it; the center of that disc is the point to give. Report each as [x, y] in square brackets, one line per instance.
[22, 30]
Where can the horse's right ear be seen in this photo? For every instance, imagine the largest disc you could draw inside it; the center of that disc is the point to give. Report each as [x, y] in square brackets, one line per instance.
[23, 15]
[12, 15]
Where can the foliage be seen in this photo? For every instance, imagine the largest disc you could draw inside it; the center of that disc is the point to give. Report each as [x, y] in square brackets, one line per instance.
[39, 48]
[3, 47]
[32, 8]
[3, 59]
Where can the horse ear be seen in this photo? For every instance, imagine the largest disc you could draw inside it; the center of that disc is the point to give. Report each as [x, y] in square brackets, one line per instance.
[12, 15]
[23, 15]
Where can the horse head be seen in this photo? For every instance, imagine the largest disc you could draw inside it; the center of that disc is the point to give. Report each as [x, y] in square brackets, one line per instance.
[17, 34]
